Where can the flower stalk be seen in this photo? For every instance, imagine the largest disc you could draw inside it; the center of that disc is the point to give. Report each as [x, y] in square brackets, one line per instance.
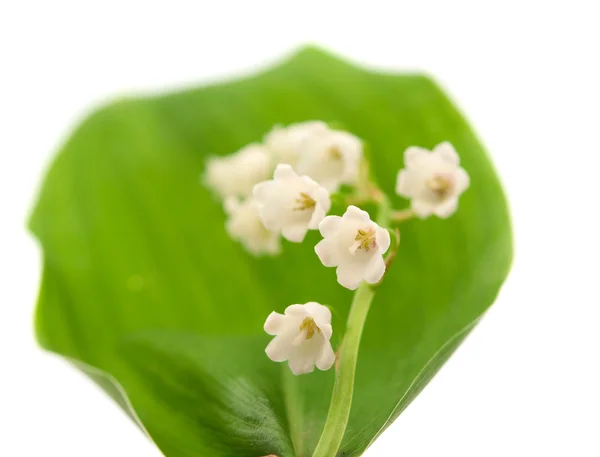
[403, 215]
[343, 389]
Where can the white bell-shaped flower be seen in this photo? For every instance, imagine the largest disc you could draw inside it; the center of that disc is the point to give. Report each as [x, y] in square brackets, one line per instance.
[245, 226]
[433, 180]
[236, 174]
[302, 337]
[355, 245]
[332, 158]
[291, 204]
[286, 143]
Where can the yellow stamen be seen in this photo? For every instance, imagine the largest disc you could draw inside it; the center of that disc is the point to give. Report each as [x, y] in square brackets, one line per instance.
[364, 240]
[335, 152]
[440, 185]
[310, 326]
[305, 202]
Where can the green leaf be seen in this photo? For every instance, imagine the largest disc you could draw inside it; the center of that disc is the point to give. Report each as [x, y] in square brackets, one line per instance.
[142, 282]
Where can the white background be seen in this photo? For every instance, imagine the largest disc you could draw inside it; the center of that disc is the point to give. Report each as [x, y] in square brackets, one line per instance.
[526, 381]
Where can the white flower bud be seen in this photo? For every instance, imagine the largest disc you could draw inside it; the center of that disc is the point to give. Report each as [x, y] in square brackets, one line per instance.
[235, 175]
[302, 337]
[286, 143]
[245, 226]
[355, 245]
[331, 158]
[433, 180]
[291, 204]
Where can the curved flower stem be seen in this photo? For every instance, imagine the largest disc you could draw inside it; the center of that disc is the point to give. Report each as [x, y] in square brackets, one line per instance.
[341, 398]
[402, 215]
[343, 389]
[384, 212]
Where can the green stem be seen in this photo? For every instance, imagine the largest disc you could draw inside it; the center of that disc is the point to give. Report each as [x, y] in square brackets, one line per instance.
[341, 398]
[384, 212]
[343, 389]
[402, 215]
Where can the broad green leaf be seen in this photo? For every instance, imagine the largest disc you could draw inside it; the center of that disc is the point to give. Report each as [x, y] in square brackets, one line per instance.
[142, 282]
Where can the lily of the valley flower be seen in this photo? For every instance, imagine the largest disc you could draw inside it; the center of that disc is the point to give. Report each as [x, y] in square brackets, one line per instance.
[433, 180]
[291, 204]
[332, 158]
[286, 143]
[355, 245]
[244, 225]
[235, 175]
[302, 337]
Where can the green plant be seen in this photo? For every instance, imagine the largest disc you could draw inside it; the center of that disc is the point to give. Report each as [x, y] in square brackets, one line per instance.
[145, 291]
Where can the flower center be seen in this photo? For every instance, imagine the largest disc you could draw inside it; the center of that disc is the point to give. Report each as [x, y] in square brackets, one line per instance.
[335, 152]
[305, 202]
[309, 326]
[364, 240]
[440, 185]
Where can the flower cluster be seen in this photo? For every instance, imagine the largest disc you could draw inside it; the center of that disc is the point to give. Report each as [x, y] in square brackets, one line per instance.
[308, 161]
